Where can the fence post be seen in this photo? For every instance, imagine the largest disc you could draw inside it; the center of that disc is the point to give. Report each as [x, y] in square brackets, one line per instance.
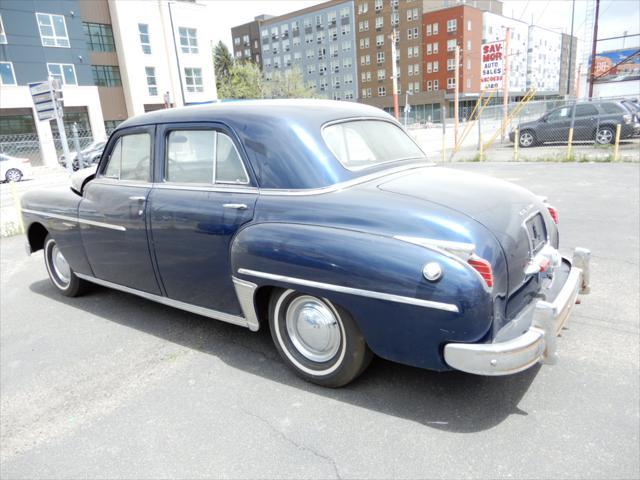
[615, 151]
[516, 144]
[76, 145]
[570, 140]
[444, 139]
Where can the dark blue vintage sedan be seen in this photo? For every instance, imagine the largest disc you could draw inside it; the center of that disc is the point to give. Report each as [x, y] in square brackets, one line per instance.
[325, 221]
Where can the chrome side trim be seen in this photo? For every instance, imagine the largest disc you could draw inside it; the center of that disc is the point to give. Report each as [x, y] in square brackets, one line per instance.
[389, 297]
[76, 220]
[245, 291]
[205, 312]
[205, 188]
[342, 185]
[460, 249]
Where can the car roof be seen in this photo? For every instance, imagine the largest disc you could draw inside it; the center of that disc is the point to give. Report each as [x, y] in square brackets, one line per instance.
[313, 110]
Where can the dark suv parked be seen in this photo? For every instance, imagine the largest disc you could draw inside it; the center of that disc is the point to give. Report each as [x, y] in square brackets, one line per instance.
[593, 121]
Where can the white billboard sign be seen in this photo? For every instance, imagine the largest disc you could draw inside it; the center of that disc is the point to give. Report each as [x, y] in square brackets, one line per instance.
[492, 64]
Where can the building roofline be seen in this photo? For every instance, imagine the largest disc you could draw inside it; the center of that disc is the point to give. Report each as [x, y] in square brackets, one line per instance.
[312, 8]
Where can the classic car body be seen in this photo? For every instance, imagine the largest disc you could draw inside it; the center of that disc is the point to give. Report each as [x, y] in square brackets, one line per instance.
[416, 263]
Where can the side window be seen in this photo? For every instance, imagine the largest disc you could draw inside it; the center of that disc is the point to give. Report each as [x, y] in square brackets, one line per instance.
[559, 114]
[190, 156]
[203, 156]
[586, 110]
[130, 158]
[229, 166]
[611, 108]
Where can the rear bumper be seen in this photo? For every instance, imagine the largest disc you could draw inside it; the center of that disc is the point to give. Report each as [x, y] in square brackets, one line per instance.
[543, 321]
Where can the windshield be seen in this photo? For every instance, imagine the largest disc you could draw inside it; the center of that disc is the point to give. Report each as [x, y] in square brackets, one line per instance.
[359, 144]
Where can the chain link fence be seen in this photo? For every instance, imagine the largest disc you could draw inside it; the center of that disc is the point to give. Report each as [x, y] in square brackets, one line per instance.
[24, 145]
[549, 130]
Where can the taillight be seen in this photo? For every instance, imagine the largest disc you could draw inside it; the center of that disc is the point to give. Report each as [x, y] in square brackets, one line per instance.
[26, 160]
[483, 268]
[554, 213]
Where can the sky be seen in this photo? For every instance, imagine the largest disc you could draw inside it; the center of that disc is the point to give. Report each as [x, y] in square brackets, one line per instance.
[616, 16]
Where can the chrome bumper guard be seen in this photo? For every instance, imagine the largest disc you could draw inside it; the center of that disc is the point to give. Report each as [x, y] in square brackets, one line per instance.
[538, 343]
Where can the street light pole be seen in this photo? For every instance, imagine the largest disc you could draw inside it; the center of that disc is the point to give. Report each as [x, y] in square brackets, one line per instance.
[505, 85]
[592, 68]
[456, 95]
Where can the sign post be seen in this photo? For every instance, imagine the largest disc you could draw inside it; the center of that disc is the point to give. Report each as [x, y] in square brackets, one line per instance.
[47, 99]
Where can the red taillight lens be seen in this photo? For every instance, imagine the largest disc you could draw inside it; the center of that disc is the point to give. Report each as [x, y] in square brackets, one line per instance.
[554, 213]
[483, 268]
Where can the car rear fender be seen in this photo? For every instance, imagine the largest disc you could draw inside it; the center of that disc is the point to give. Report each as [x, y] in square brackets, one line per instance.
[378, 279]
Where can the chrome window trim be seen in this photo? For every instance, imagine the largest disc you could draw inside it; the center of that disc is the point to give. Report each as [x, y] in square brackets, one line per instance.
[341, 185]
[390, 297]
[206, 312]
[76, 220]
[232, 188]
[116, 182]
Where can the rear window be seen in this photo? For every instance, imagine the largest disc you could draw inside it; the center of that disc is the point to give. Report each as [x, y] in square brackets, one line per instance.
[612, 108]
[361, 144]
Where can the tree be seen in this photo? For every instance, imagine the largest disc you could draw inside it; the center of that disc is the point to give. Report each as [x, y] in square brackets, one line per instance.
[289, 84]
[222, 62]
[244, 81]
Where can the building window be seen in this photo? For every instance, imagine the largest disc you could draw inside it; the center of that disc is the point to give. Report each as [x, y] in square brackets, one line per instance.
[344, 12]
[429, 48]
[436, 66]
[451, 64]
[379, 40]
[346, 29]
[347, 62]
[364, 42]
[435, 29]
[379, 22]
[363, 8]
[435, 47]
[189, 40]
[451, 45]
[468, 25]
[7, 77]
[106, 75]
[429, 86]
[436, 86]
[412, 33]
[99, 37]
[469, 45]
[380, 57]
[382, 92]
[193, 79]
[382, 73]
[378, 5]
[236, 40]
[65, 73]
[110, 125]
[429, 31]
[452, 25]
[429, 67]
[152, 86]
[451, 82]
[53, 30]
[3, 35]
[145, 39]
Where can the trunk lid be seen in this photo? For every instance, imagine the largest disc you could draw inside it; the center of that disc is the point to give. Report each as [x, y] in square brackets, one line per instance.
[515, 216]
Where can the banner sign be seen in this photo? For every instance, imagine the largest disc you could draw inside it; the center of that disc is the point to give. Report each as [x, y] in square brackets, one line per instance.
[617, 65]
[492, 65]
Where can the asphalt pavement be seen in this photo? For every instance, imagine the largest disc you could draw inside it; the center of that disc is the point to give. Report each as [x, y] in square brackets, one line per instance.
[113, 386]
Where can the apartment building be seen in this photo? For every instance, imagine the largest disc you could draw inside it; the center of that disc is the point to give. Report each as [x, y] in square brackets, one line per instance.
[320, 41]
[544, 60]
[163, 50]
[569, 51]
[40, 40]
[494, 29]
[246, 40]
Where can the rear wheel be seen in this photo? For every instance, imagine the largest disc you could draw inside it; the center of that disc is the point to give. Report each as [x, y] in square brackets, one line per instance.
[526, 139]
[317, 339]
[13, 175]
[604, 135]
[60, 272]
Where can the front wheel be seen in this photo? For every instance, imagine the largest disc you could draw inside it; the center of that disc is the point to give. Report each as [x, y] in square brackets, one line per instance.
[526, 139]
[317, 339]
[13, 175]
[604, 136]
[60, 272]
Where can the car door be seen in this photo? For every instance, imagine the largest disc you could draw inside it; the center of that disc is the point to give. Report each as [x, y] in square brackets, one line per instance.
[555, 127]
[114, 210]
[205, 194]
[585, 122]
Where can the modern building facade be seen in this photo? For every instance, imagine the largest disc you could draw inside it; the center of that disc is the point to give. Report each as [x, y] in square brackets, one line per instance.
[544, 60]
[42, 39]
[494, 29]
[246, 40]
[568, 65]
[320, 42]
[164, 53]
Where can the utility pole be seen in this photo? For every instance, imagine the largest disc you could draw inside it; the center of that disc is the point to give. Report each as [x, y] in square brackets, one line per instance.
[505, 85]
[456, 95]
[592, 68]
[394, 60]
[573, 8]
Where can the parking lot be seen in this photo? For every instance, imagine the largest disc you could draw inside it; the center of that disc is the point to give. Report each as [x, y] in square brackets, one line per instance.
[113, 386]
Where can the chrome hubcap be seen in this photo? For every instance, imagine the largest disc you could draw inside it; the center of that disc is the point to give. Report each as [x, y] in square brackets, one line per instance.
[313, 328]
[604, 136]
[60, 265]
[526, 139]
[13, 175]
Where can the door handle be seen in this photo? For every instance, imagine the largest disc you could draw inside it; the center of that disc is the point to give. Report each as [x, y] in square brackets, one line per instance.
[140, 199]
[236, 206]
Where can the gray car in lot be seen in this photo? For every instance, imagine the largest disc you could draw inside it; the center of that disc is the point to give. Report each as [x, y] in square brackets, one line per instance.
[592, 121]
